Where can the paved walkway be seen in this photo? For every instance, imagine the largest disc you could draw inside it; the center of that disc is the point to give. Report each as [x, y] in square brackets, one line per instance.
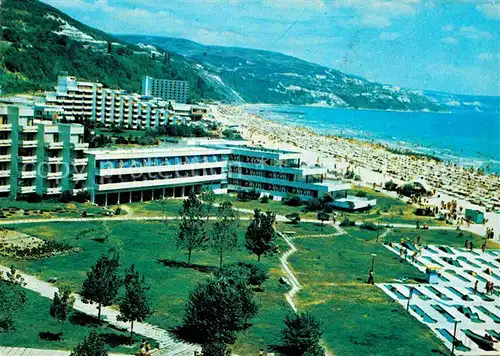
[20, 351]
[164, 338]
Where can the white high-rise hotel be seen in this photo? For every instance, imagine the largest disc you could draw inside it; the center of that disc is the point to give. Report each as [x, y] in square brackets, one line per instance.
[171, 90]
[93, 102]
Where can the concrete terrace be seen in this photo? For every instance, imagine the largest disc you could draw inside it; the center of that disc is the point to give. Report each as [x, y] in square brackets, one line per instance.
[453, 299]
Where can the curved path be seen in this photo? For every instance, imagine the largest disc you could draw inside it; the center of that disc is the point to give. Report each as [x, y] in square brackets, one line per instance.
[166, 340]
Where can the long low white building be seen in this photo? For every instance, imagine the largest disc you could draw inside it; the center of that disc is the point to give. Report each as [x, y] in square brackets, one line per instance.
[126, 175]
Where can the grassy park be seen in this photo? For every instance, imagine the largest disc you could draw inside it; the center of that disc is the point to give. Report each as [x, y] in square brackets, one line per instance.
[359, 318]
[39, 332]
[151, 247]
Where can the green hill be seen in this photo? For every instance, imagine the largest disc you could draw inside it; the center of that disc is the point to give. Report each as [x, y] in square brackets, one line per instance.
[38, 42]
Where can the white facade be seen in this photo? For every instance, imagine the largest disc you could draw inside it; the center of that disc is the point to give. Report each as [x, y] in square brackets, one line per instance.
[167, 89]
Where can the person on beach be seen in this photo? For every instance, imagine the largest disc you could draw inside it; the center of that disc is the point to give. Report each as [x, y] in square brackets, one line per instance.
[483, 247]
[466, 245]
[471, 246]
[475, 286]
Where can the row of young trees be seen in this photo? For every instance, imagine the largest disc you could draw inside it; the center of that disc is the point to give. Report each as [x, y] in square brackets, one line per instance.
[260, 235]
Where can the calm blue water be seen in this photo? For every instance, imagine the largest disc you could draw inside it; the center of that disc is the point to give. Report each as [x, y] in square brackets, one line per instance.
[468, 138]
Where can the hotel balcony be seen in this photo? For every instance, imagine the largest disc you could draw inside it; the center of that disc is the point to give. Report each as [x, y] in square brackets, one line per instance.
[325, 187]
[80, 161]
[79, 146]
[5, 158]
[31, 129]
[54, 175]
[54, 145]
[5, 127]
[55, 190]
[5, 173]
[27, 189]
[6, 142]
[54, 159]
[4, 188]
[79, 176]
[27, 159]
[157, 169]
[29, 143]
[27, 174]
[169, 182]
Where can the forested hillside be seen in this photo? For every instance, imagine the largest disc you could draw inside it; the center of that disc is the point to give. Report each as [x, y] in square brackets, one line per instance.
[39, 41]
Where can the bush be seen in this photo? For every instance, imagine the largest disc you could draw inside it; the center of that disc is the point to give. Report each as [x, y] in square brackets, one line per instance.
[66, 197]
[361, 194]
[369, 226]
[30, 198]
[81, 197]
[292, 200]
[293, 217]
[327, 198]
[249, 273]
[264, 199]
[314, 204]
[390, 186]
[245, 195]
[347, 222]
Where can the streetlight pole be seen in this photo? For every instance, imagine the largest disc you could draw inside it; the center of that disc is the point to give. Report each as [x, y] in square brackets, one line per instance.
[454, 337]
[373, 261]
[409, 298]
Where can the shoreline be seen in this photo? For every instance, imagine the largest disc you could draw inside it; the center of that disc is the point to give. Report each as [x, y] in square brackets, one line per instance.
[373, 162]
[488, 164]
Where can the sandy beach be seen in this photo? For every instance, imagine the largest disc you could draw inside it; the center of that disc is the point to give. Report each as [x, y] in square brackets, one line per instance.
[374, 164]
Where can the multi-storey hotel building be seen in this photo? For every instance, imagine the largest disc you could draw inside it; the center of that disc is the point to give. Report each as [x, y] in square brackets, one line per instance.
[91, 101]
[171, 90]
[47, 158]
[39, 157]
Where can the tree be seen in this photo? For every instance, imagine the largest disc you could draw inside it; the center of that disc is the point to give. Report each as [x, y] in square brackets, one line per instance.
[62, 305]
[225, 234]
[302, 335]
[208, 198]
[253, 274]
[260, 235]
[92, 345]
[191, 230]
[102, 283]
[217, 309]
[322, 216]
[135, 304]
[12, 297]
[293, 217]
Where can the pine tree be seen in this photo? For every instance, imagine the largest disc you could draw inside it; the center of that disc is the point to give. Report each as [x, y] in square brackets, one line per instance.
[191, 230]
[93, 345]
[217, 309]
[135, 304]
[102, 283]
[302, 335]
[260, 235]
[62, 305]
[225, 234]
[12, 298]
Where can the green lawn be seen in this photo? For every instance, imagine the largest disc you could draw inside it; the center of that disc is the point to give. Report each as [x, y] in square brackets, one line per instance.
[35, 327]
[389, 210]
[438, 237]
[15, 209]
[151, 246]
[359, 319]
[167, 207]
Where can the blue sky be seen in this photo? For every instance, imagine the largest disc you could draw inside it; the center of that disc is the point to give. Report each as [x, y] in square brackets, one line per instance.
[445, 45]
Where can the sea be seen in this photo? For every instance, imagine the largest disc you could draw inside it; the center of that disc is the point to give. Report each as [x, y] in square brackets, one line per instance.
[469, 138]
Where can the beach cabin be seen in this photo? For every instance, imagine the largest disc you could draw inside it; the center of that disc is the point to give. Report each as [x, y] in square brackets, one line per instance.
[475, 216]
[432, 273]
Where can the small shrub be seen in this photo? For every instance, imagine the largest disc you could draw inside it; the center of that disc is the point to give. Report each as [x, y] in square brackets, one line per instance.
[314, 204]
[361, 194]
[293, 217]
[369, 226]
[264, 199]
[292, 200]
